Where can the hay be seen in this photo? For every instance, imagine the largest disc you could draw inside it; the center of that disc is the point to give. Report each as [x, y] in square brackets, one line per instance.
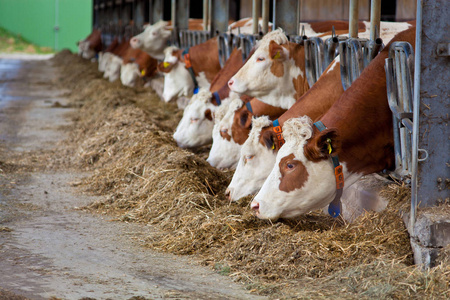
[125, 137]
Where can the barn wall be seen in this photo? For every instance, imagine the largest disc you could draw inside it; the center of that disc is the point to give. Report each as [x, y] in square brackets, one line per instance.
[406, 10]
[35, 20]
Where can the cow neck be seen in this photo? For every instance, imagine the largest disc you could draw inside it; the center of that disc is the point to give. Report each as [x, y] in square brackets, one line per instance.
[188, 66]
[364, 121]
[297, 53]
[259, 108]
[232, 65]
[205, 58]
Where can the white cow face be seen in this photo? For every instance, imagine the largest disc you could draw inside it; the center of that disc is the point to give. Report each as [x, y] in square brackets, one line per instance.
[113, 68]
[129, 74]
[84, 51]
[269, 72]
[297, 185]
[103, 60]
[254, 165]
[195, 128]
[177, 80]
[224, 152]
[153, 39]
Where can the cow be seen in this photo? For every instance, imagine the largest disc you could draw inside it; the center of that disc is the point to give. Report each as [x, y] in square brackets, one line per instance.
[353, 138]
[195, 128]
[113, 61]
[153, 39]
[185, 70]
[235, 129]
[136, 64]
[103, 56]
[91, 45]
[257, 156]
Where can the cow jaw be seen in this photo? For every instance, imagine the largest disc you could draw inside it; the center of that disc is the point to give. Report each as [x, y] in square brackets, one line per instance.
[195, 129]
[177, 83]
[223, 154]
[129, 74]
[254, 165]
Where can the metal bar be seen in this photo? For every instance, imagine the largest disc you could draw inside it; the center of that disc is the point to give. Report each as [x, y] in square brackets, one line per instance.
[375, 15]
[285, 16]
[256, 10]
[353, 19]
[265, 16]
[219, 16]
[205, 14]
[156, 11]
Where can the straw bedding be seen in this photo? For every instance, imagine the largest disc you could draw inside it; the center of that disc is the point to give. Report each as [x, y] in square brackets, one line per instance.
[124, 136]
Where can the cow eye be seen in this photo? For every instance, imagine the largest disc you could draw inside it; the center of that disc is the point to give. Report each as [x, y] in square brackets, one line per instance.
[194, 120]
[260, 59]
[248, 157]
[290, 166]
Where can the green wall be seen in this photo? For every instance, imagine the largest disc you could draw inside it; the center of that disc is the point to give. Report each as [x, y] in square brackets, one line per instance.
[35, 20]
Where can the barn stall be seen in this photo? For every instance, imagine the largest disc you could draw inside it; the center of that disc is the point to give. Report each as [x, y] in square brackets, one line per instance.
[124, 135]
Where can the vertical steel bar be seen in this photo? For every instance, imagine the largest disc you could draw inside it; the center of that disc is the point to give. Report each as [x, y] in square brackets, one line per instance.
[353, 16]
[416, 109]
[219, 16]
[205, 14]
[375, 15]
[265, 16]
[285, 16]
[256, 10]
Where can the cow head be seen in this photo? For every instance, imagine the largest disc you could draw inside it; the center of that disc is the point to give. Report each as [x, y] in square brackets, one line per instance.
[129, 74]
[153, 39]
[302, 178]
[195, 128]
[255, 161]
[269, 73]
[112, 71]
[177, 80]
[224, 151]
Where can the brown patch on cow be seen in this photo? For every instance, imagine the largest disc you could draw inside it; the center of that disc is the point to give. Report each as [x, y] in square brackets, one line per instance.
[268, 138]
[224, 134]
[205, 58]
[208, 114]
[293, 174]
[325, 26]
[277, 56]
[242, 124]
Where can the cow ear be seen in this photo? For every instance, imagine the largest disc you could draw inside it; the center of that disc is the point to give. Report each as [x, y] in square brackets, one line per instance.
[269, 139]
[276, 51]
[322, 145]
[245, 119]
[208, 114]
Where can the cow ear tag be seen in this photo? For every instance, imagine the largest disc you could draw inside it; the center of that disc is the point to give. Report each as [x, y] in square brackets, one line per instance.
[166, 64]
[143, 72]
[196, 90]
[277, 56]
[273, 146]
[329, 146]
[334, 209]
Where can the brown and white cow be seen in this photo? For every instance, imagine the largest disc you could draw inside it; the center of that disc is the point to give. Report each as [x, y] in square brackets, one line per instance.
[358, 131]
[153, 39]
[202, 59]
[136, 65]
[195, 128]
[231, 132]
[257, 157]
[91, 45]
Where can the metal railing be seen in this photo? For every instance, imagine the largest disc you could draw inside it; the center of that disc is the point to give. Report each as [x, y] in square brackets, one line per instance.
[399, 73]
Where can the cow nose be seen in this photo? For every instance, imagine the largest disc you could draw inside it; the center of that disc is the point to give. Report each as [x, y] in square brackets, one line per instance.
[228, 193]
[230, 82]
[255, 206]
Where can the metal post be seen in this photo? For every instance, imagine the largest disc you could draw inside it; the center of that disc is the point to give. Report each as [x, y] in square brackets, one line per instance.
[219, 16]
[285, 16]
[353, 16]
[265, 16]
[256, 9]
[205, 14]
[375, 15]
[156, 12]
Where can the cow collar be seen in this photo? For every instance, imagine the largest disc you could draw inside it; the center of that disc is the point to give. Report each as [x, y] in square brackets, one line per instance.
[188, 65]
[278, 132]
[334, 208]
[249, 107]
[217, 97]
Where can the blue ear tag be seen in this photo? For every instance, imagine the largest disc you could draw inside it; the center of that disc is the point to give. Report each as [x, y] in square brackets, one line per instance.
[334, 209]
[196, 90]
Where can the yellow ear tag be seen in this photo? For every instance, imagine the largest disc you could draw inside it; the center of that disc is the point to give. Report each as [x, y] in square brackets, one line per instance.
[329, 146]
[277, 56]
[143, 72]
[273, 146]
[166, 64]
